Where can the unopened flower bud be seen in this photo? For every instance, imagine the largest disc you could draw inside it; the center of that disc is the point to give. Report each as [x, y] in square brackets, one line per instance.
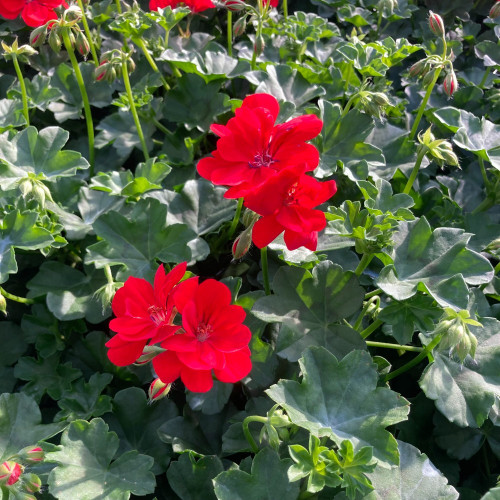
[148, 353]
[100, 71]
[130, 65]
[10, 472]
[259, 44]
[450, 84]
[495, 10]
[420, 68]
[436, 24]
[55, 41]
[31, 454]
[3, 305]
[426, 81]
[242, 244]
[38, 36]
[32, 483]
[82, 44]
[235, 5]
[158, 390]
[240, 26]
[249, 217]
[73, 14]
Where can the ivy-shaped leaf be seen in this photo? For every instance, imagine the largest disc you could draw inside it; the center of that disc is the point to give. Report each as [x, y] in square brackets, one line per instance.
[87, 467]
[437, 262]
[311, 307]
[340, 399]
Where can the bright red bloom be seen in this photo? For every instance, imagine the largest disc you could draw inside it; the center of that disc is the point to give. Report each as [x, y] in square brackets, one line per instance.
[214, 338]
[34, 12]
[143, 313]
[286, 202]
[193, 5]
[252, 149]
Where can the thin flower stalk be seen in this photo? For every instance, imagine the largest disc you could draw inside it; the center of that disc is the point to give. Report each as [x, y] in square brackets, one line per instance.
[229, 32]
[140, 43]
[363, 263]
[265, 270]
[85, 98]
[398, 347]
[236, 219]
[24, 94]
[16, 298]
[414, 172]
[88, 34]
[133, 109]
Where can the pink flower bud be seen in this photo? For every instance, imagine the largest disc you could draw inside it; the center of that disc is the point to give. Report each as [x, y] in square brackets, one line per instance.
[418, 69]
[450, 84]
[32, 454]
[32, 483]
[242, 244]
[10, 472]
[495, 10]
[158, 390]
[38, 36]
[82, 44]
[436, 24]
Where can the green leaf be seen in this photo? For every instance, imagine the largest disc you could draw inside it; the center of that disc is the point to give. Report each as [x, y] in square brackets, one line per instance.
[46, 376]
[85, 400]
[437, 262]
[342, 142]
[416, 477]
[380, 200]
[465, 393]
[38, 153]
[195, 103]
[40, 92]
[20, 424]
[492, 494]
[19, 230]
[417, 313]
[200, 205]
[132, 412]
[303, 303]
[191, 479]
[70, 293]
[137, 240]
[210, 402]
[489, 52]
[86, 468]
[11, 114]
[268, 480]
[340, 399]
[284, 83]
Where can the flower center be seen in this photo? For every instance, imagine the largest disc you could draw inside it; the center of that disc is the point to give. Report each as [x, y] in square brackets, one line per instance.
[158, 315]
[203, 332]
[262, 160]
[291, 195]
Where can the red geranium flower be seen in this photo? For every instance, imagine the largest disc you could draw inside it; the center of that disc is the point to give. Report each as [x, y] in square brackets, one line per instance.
[251, 148]
[34, 12]
[193, 5]
[214, 338]
[286, 202]
[143, 313]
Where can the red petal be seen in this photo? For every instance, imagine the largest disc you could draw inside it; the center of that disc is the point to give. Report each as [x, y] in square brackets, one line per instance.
[132, 327]
[295, 240]
[35, 14]
[165, 282]
[263, 101]
[266, 230]
[140, 294]
[167, 366]
[123, 353]
[10, 9]
[238, 366]
[197, 380]
[184, 292]
[183, 342]
[210, 298]
[300, 219]
[231, 343]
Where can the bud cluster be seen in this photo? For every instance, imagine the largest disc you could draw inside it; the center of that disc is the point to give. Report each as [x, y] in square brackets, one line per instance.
[33, 188]
[439, 150]
[14, 50]
[13, 475]
[373, 103]
[110, 65]
[456, 336]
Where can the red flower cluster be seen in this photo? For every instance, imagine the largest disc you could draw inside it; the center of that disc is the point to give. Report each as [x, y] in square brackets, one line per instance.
[265, 164]
[193, 5]
[212, 336]
[34, 12]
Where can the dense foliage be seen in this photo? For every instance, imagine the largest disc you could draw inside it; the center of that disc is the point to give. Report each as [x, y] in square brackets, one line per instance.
[250, 250]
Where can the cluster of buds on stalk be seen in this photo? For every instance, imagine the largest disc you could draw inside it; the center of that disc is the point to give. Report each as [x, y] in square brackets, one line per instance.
[110, 65]
[439, 150]
[386, 7]
[20, 52]
[495, 10]
[456, 336]
[53, 32]
[430, 67]
[32, 188]
[372, 102]
[243, 242]
[14, 478]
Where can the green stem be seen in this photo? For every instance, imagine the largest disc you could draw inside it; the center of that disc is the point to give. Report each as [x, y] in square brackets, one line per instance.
[399, 347]
[133, 110]
[423, 105]
[416, 360]
[118, 6]
[483, 173]
[415, 170]
[485, 77]
[483, 206]
[348, 78]
[162, 127]
[349, 104]
[497, 268]
[363, 263]
[109, 275]
[370, 329]
[229, 32]
[372, 294]
[85, 98]
[265, 270]
[151, 61]
[362, 314]
[24, 94]
[248, 434]
[236, 219]
[15, 298]
[88, 34]
[285, 9]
